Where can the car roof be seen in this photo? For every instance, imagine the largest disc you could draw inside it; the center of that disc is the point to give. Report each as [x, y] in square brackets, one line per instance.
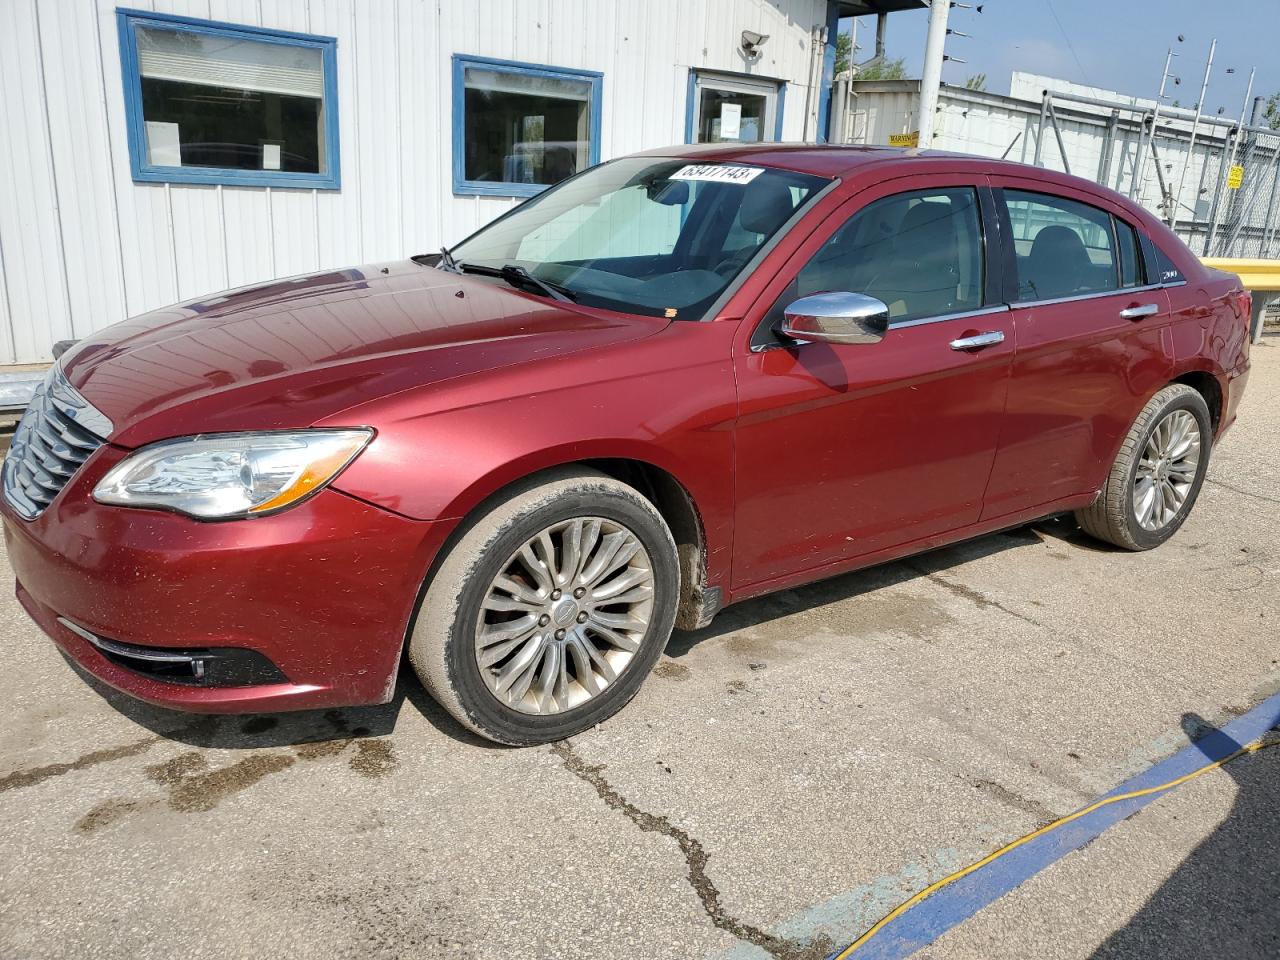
[846, 161]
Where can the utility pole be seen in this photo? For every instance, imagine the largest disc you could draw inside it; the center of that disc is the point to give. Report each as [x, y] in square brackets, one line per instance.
[931, 75]
[1191, 147]
[1140, 167]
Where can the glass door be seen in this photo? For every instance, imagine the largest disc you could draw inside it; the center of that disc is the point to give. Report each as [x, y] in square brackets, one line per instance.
[730, 108]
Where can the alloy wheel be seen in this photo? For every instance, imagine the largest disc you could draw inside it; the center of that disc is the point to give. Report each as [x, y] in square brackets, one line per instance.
[1167, 470]
[565, 616]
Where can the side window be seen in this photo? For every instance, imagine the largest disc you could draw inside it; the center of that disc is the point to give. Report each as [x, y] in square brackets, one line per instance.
[920, 253]
[1130, 259]
[1063, 248]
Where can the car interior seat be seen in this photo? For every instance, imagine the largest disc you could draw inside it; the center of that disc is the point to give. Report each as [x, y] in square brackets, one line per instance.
[1057, 265]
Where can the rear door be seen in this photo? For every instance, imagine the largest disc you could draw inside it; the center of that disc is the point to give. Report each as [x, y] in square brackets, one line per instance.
[845, 450]
[1090, 349]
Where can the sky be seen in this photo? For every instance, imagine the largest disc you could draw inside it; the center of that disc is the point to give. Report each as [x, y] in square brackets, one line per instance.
[1117, 44]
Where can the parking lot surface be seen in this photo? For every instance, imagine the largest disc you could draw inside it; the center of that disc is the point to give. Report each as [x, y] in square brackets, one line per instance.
[785, 778]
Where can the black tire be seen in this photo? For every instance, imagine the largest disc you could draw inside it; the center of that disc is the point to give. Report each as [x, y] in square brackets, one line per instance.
[442, 642]
[1112, 517]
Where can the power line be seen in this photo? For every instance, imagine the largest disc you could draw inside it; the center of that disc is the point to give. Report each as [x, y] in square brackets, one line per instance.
[1084, 73]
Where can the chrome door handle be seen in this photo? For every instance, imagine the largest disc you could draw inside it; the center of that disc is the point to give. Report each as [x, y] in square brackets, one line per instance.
[1137, 313]
[978, 341]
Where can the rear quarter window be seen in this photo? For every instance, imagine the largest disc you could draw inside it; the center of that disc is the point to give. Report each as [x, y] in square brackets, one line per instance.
[1166, 271]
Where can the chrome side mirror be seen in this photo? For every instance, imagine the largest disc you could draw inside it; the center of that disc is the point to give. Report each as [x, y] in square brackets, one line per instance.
[836, 318]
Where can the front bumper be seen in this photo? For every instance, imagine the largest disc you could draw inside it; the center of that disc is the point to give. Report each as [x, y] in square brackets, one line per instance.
[323, 591]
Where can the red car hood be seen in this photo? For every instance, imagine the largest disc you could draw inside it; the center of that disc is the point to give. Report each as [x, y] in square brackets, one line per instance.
[290, 353]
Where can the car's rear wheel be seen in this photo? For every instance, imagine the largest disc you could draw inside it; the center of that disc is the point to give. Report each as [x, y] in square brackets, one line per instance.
[547, 614]
[1157, 475]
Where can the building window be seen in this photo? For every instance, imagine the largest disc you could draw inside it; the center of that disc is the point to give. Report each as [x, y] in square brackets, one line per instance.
[518, 128]
[220, 103]
[731, 108]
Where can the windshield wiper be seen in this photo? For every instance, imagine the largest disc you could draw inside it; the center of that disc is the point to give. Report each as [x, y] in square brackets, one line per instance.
[518, 277]
[447, 261]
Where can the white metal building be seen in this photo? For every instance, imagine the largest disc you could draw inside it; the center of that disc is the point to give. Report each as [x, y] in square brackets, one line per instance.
[157, 154]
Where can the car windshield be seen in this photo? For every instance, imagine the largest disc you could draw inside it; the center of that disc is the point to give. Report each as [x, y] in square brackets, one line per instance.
[655, 236]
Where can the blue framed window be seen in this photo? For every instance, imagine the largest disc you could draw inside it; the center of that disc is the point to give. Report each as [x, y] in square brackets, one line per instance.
[733, 108]
[518, 128]
[210, 102]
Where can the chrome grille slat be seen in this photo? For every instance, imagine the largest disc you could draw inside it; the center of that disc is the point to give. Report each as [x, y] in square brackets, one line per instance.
[52, 442]
[55, 467]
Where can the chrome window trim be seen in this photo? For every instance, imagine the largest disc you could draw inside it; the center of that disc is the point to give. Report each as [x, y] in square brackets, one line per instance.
[920, 322]
[1021, 304]
[1001, 308]
[942, 317]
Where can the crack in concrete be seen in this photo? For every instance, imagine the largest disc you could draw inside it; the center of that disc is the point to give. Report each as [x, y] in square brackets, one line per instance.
[1243, 493]
[1006, 796]
[696, 859]
[976, 597]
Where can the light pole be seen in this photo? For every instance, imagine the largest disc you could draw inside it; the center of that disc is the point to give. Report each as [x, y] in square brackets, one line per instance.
[1191, 147]
[1140, 168]
[1231, 159]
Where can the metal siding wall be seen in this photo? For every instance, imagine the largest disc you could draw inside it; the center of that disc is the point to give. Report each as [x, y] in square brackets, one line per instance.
[35, 278]
[83, 246]
[967, 124]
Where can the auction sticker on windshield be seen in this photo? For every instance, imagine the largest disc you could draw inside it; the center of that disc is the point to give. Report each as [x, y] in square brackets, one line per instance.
[719, 172]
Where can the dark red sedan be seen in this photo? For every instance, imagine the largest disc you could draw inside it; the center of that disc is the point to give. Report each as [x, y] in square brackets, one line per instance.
[672, 382]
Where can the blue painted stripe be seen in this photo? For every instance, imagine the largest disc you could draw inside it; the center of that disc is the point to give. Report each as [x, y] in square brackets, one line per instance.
[953, 904]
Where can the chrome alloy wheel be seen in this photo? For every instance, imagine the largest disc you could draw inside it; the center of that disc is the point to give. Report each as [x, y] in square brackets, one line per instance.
[1167, 471]
[565, 616]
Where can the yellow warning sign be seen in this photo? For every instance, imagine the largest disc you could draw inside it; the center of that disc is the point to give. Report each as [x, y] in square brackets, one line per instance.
[1235, 177]
[911, 139]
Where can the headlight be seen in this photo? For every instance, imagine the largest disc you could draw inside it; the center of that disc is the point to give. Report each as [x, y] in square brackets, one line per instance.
[221, 476]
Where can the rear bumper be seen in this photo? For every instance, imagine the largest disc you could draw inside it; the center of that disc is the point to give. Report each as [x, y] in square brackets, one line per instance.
[324, 592]
[1236, 382]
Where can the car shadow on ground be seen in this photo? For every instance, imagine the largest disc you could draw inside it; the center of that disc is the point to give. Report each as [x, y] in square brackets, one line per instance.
[1058, 531]
[263, 730]
[1221, 900]
[258, 731]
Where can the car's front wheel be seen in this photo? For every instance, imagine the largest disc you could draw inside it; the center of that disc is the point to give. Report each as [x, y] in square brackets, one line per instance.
[1157, 475]
[547, 614]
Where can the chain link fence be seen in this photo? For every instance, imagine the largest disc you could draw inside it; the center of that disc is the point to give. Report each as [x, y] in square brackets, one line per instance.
[1248, 201]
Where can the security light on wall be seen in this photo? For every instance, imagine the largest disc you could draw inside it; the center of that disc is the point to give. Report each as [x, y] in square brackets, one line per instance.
[752, 42]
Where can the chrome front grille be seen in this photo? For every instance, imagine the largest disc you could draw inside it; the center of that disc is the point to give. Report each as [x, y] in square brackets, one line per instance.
[56, 436]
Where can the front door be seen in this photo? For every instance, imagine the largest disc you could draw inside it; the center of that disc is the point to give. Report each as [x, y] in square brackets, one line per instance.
[846, 450]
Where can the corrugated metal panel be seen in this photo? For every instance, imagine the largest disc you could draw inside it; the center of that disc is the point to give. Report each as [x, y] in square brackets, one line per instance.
[82, 245]
[35, 280]
[995, 126]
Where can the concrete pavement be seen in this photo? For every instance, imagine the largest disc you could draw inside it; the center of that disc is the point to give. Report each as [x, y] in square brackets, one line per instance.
[784, 779]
